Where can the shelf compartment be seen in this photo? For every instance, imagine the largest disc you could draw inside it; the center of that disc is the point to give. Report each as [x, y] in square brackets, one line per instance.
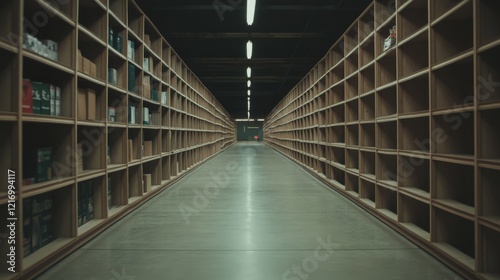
[134, 79]
[367, 135]
[366, 24]
[117, 189]
[338, 73]
[415, 215]
[91, 198]
[135, 187]
[352, 111]
[489, 135]
[97, 106]
[386, 69]
[56, 29]
[8, 150]
[39, 72]
[8, 74]
[439, 8]
[352, 184]
[387, 135]
[152, 38]
[352, 160]
[387, 199]
[386, 102]
[96, 53]
[489, 194]
[414, 55]
[135, 19]
[412, 18]
[165, 164]
[119, 9]
[489, 75]
[489, 252]
[384, 9]
[9, 25]
[118, 64]
[367, 164]
[387, 169]
[152, 137]
[414, 134]
[151, 169]
[134, 147]
[62, 163]
[453, 134]
[93, 17]
[117, 146]
[165, 138]
[367, 80]
[367, 192]
[352, 132]
[489, 17]
[351, 39]
[367, 52]
[414, 175]
[351, 64]
[48, 217]
[459, 246]
[118, 101]
[339, 155]
[338, 94]
[92, 143]
[338, 134]
[414, 95]
[339, 176]
[448, 92]
[454, 34]
[458, 189]
[367, 110]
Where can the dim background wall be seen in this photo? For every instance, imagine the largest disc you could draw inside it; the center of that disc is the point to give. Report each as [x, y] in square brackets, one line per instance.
[247, 130]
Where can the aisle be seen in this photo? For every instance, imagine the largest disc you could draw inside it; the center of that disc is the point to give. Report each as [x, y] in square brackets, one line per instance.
[249, 213]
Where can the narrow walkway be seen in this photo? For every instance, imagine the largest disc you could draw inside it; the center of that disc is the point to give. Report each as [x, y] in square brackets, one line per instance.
[249, 213]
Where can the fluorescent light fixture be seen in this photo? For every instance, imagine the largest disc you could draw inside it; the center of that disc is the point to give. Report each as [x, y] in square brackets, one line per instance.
[249, 83]
[249, 49]
[249, 94]
[249, 72]
[250, 11]
[244, 120]
[260, 120]
[248, 98]
[249, 115]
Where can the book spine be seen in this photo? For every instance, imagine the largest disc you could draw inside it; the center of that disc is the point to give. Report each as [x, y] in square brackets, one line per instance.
[58, 101]
[27, 96]
[52, 100]
[37, 97]
[45, 99]
[118, 42]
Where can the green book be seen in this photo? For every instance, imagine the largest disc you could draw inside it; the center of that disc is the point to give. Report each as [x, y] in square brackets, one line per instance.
[118, 42]
[131, 77]
[47, 221]
[45, 93]
[52, 100]
[111, 37]
[26, 227]
[37, 97]
[44, 170]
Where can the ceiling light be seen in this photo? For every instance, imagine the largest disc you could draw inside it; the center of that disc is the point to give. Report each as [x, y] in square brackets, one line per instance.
[250, 11]
[248, 114]
[249, 83]
[249, 99]
[249, 49]
[249, 72]
[249, 94]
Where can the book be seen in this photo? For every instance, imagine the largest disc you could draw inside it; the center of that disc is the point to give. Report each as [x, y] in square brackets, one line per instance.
[37, 97]
[27, 96]
[112, 114]
[58, 101]
[52, 100]
[132, 114]
[111, 38]
[131, 50]
[131, 77]
[45, 103]
[146, 115]
[27, 227]
[164, 97]
[118, 42]
[108, 155]
[112, 76]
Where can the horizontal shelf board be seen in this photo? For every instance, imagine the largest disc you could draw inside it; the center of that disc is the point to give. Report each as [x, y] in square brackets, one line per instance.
[91, 35]
[387, 21]
[47, 119]
[89, 226]
[150, 158]
[446, 111]
[337, 184]
[417, 231]
[459, 159]
[492, 222]
[45, 251]
[388, 214]
[416, 193]
[456, 254]
[116, 167]
[458, 208]
[115, 210]
[388, 184]
[91, 123]
[117, 19]
[489, 105]
[414, 115]
[8, 117]
[134, 199]
[48, 62]
[449, 12]
[53, 11]
[90, 174]
[386, 86]
[353, 193]
[454, 59]
[353, 171]
[116, 53]
[38, 188]
[388, 118]
[134, 162]
[5, 45]
[387, 152]
[91, 79]
[368, 177]
[415, 153]
[413, 36]
[118, 89]
[491, 164]
[368, 202]
[488, 46]
[117, 125]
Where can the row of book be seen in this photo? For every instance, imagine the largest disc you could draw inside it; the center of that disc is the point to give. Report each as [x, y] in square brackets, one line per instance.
[41, 98]
[45, 48]
[38, 222]
[37, 165]
[115, 39]
[85, 202]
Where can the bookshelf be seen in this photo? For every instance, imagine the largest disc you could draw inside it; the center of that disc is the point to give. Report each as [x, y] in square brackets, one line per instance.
[406, 139]
[83, 128]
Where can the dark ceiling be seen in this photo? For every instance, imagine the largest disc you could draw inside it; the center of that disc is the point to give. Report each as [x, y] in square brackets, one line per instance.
[289, 38]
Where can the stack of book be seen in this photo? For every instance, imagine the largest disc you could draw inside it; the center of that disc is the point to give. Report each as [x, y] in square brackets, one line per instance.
[38, 226]
[37, 165]
[115, 39]
[41, 98]
[85, 202]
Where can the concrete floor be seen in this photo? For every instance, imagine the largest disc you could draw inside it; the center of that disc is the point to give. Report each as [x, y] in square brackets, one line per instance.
[249, 213]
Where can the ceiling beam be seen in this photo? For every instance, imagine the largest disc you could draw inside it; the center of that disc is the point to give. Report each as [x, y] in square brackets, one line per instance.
[260, 35]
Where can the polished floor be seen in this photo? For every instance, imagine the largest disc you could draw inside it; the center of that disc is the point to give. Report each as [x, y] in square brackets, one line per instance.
[249, 213]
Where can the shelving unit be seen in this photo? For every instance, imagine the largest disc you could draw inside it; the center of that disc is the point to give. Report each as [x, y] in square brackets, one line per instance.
[94, 128]
[405, 138]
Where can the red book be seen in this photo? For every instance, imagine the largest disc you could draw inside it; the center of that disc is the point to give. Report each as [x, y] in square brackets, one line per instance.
[27, 96]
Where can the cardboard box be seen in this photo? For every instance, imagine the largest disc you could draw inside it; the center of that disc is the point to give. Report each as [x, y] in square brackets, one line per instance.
[86, 65]
[93, 69]
[79, 61]
[113, 76]
[146, 88]
[148, 148]
[91, 104]
[82, 104]
[147, 182]
[147, 40]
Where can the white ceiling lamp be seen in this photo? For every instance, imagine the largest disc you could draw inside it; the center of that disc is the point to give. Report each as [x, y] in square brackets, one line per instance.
[248, 93]
[250, 11]
[249, 83]
[249, 49]
[248, 114]
[249, 72]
